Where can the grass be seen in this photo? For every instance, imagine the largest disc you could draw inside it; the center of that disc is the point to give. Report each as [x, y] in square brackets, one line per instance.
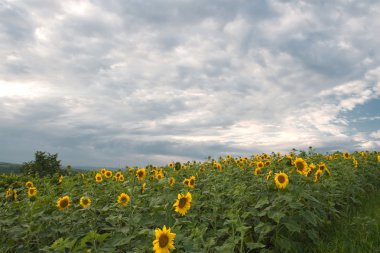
[357, 232]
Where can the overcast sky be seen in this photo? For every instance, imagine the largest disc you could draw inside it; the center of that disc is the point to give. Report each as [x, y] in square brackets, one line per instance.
[111, 83]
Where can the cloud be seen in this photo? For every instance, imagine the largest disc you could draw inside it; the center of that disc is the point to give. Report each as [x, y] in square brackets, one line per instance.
[103, 83]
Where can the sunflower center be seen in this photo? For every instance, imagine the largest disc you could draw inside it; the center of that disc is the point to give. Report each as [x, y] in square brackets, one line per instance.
[31, 191]
[140, 173]
[85, 201]
[64, 203]
[182, 202]
[123, 199]
[163, 240]
[300, 166]
[281, 179]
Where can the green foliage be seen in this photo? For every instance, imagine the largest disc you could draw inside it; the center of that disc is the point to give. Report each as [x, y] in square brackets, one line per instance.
[232, 209]
[44, 164]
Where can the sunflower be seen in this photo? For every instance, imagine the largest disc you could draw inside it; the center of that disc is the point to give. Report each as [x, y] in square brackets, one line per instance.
[60, 179]
[281, 180]
[164, 241]
[63, 203]
[269, 175]
[378, 158]
[191, 182]
[301, 166]
[260, 165]
[29, 184]
[121, 178]
[131, 170]
[186, 181]
[103, 171]
[108, 174]
[117, 175]
[183, 203]
[141, 174]
[317, 175]
[85, 202]
[98, 177]
[218, 166]
[257, 171]
[8, 193]
[15, 195]
[346, 155]
[171, 165]
[32, 191]
[123, 199]
[171, 181]
[322, 166]
[267, 163]
[143, 188]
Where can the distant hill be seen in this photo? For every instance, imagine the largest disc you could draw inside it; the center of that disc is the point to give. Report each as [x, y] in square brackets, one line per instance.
[10, 167]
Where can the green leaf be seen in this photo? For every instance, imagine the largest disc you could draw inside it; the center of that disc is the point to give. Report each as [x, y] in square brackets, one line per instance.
[262, 201]
[255, 245]
[292, 226]
[276, 215]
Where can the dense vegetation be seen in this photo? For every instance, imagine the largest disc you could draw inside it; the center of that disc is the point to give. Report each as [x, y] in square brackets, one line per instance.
[262, 203]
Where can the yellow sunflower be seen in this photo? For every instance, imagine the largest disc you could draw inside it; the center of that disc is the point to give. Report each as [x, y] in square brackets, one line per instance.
[85, 202]
[29, 184]
[260, 165]
[186, 181]
[32, 191]
[8, 193]
[171, 165]
[346, 155]
[301, 166]
[15, 195]
[108, 174]
[191, 182]
[117, 175]
[171, 181]
[98, 177]
[141, 174]
[63, 203]
[269, 175]
[378, 158]
[123, 199]
[317, 175]
[281, 180]
[121, 178]
[267, 163]
[60, 179]
[164, 241]
[257, 171]
[143, 188]
[103, 171]
[322, 166]
[183, 203]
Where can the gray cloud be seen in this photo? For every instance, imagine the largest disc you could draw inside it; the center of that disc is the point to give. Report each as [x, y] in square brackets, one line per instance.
[150, 82]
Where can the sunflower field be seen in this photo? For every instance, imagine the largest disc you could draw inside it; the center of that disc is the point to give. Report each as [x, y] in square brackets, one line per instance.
[262, 203]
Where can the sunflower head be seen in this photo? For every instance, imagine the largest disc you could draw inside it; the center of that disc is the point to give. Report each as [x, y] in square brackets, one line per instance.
[29, 184]
[123, 199]
[269, 175]
[257, 171]
[378, 158]
[267, 162]
[346, 155]
[260, 165]
[301, 166]
[171, 181]
[143, 188]
[8, 193]
[103, 171]
[171, 165]
[85, 202]
[191, 183]
[186, 181]
[164, 241]
[141, 174]
[108, 174]
[63, 203]
[281, 180]
[183, 203]
[317, 175]
[60, 180]
[32, 191]
[98, 177]
[121, 178]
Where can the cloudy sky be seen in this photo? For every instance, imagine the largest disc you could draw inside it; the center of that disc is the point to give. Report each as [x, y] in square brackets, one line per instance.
[110, 83]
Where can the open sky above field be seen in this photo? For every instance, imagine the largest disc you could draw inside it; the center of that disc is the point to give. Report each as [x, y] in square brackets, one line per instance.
[110, 83]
